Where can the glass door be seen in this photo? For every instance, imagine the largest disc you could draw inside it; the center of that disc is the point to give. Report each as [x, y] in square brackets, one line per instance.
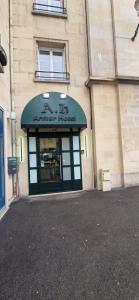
[50, 175]
[66, 153]
[33, 165]
[49, 160]
[54, 163]
[77, 171]
[71, 162]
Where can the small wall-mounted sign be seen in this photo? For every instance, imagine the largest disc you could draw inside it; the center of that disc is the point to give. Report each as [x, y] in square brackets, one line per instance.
[13, 163]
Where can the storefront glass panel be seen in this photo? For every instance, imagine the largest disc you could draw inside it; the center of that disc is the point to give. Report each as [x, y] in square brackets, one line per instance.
[49, 160]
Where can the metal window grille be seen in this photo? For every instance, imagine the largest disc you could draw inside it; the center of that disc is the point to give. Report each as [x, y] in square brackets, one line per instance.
[52, 75]
[49, 8]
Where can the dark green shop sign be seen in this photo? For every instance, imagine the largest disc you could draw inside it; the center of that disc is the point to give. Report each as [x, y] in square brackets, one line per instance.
[54, 112]
[50, 115]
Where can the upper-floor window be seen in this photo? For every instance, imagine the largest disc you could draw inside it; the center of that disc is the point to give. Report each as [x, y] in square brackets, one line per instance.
[52, 64]
[50, 6]
[3, 59]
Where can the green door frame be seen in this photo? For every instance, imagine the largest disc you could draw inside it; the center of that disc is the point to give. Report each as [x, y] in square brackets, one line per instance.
[61, 186]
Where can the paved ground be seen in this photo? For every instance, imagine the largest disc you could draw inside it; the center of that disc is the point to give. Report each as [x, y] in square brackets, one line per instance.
[86, 247]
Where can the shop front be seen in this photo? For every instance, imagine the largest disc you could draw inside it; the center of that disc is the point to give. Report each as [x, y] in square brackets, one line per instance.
[2, 175]
[53, 122]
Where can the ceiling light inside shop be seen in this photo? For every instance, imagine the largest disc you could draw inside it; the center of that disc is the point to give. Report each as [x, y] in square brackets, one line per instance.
[63, 96]
[46, 95]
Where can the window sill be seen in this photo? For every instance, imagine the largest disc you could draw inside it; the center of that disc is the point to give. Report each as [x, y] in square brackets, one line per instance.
[49, 14]
[39, 80]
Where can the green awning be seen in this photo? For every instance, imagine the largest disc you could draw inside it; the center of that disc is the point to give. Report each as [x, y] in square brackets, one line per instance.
[53, 109]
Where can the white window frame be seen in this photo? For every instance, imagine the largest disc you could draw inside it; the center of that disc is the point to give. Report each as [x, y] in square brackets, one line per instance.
[51, 50]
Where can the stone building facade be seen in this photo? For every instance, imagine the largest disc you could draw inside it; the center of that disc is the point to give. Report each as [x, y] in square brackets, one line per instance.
[113, 80]
[39, 31]
[6, 185]
[74, 78]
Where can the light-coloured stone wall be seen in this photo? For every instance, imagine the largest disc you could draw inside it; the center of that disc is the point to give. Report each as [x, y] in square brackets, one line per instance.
[113, 141]
[126, 20]
[4, 41]
[107, 135]
[129, 111]
[5, 99]
[27, 28]
[100, 36]
[111, 24]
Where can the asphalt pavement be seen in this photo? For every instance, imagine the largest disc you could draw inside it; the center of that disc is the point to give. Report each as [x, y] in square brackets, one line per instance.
[71, 247]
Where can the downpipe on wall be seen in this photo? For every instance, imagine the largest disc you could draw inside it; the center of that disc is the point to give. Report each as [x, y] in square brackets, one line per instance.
[117, 90]
[92, 119]
[13, 122]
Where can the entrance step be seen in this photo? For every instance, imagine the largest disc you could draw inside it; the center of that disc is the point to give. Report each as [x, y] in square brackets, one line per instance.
[56, 196]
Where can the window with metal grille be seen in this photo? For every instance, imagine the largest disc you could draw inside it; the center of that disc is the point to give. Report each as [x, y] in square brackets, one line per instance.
[51, 64]
[56, 6]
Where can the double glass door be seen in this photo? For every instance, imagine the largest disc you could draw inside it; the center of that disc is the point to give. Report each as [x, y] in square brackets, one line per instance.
[54, 163]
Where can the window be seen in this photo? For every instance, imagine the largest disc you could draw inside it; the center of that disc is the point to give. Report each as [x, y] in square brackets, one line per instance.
[3, 59]
[51, 64]
[54, 6]
[1, 68]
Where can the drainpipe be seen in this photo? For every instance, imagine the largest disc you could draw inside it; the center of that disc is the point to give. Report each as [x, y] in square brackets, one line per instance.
[91, 103]
[117, 90]
[10, 67]
[114, 37]
[88, 54]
